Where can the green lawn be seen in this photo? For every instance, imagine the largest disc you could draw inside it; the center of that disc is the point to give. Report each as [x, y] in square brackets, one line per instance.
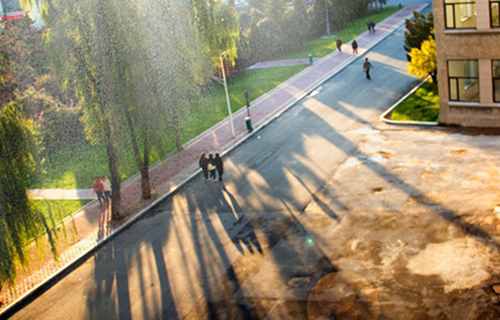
[422, 105]
[57, 210]
[77, 166]
[322, 47]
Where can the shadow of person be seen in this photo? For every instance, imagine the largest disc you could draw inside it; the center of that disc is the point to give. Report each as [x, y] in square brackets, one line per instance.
[237, 225]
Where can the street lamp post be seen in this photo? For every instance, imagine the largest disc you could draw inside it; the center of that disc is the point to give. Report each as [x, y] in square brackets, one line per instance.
[227, 95]
[327, 19]
[247, 97]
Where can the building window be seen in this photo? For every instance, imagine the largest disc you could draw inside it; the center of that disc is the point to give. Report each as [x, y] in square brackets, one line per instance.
[460, 14]
[463, 80]
[496, 80]
[495, 13]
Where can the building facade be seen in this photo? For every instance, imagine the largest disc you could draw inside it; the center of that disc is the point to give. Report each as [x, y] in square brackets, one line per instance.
[468, 61]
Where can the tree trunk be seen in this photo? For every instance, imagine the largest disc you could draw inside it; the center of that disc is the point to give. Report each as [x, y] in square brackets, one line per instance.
[143, 166]
[104, 106]
[433, 77]
[145, 182]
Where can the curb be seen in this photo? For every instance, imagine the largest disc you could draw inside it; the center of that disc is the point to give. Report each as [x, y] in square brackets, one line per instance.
[70, 266]
[383, 116]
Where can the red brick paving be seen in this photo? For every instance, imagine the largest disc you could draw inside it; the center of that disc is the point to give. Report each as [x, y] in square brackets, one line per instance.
[92, 223]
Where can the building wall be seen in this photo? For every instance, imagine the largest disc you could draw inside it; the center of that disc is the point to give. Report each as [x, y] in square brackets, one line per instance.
[481, 44]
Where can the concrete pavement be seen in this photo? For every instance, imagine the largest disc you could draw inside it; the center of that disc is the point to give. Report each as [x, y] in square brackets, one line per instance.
[218, 138]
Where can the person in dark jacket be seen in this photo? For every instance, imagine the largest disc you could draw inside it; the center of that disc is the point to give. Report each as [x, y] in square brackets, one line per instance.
[354, 45]
[219, 165]
[203, 163]
[366, 68]
[211, 166]
[339, 44]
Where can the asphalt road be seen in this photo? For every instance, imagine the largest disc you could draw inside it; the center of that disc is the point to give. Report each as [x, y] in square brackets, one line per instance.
[192, 256]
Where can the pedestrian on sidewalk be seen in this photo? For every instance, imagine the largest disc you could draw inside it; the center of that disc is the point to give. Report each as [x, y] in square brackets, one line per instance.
[372, 26]
[339, 44]
[354, 45]
[211, 166]
[98, 189]
[106, 188]
[219, 165]
[203, 163]
[369, 26]
[366, 68]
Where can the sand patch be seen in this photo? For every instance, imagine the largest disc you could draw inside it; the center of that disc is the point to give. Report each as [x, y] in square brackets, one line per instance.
[461, 263]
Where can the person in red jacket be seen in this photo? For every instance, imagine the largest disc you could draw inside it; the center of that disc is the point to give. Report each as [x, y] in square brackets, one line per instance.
[99, 189]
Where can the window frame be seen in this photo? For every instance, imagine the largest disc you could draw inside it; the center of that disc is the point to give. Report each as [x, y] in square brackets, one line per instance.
[493, 78]
[469, 80]
[453, 8]
[497, 2]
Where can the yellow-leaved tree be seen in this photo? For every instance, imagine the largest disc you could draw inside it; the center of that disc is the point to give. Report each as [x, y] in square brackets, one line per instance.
[423, 61]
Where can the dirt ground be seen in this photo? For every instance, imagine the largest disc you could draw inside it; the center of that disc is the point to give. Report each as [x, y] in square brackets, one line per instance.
[406, 228]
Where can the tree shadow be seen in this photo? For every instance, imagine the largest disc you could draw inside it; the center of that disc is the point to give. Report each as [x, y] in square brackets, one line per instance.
[123, 272]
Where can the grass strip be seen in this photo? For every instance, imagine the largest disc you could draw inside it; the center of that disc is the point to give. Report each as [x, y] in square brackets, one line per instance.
[422, 105]
[56, 210]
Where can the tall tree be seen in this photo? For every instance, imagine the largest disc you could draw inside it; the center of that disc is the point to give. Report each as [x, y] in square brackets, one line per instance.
[21, 55]
[274, 9]
[161, 87]
[423, 61]
[257, 4]
[19, 224]
[148, 84]
[418, 30]
[318, 17]
[217, 30]
[83, 48]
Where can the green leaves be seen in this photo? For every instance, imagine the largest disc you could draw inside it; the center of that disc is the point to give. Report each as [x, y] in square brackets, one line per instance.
[418, 30]
[423, 61]
[19, 224]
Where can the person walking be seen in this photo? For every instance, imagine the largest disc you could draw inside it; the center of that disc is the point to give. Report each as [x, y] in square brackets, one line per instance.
[98, 189]
[219, 165]
[366, 68]
[106, 188]
[203, 163]
[354, 45]
[211, 166]
[369, 26]
[339, 44]
[372, 24]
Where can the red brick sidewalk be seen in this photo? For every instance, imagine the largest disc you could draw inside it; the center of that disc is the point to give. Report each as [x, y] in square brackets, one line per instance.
[91, 225]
